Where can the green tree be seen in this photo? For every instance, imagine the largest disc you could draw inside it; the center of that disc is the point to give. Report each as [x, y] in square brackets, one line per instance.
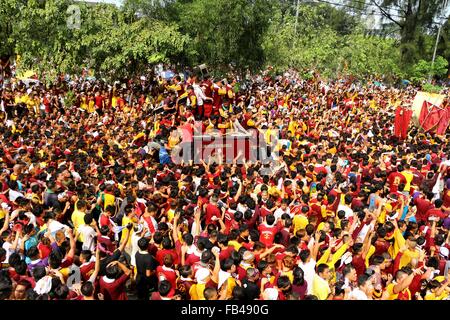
[423, 69]
[320, 46]
[413, 19]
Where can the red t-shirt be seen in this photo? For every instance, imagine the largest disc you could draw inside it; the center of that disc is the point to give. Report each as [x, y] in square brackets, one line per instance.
[211, 211]
[230, 223]
[114, 290]
[86, 270]
[225, 253]
[191, 259]
[267, 233]
[98, 101]
[435, 213]
[423, 205]
[104, 221]
[446, 198]
[168, 274]
[44, 250]
[359, 264]
[161, 253]
[395, 178]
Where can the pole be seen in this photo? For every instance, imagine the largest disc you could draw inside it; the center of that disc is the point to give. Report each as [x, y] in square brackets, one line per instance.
[296, 15]
[437, 41]
[436, 45]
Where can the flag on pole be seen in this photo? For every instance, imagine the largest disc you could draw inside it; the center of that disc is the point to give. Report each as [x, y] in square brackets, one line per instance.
[434, 118]
[402, 119]
[433, 98]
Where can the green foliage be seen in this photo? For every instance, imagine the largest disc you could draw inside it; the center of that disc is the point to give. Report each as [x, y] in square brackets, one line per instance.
[69, 99]
[432, 88]
[319, 45]
[412, 20]
[108, 41]
[223, 31]
[423, 69]
[242, 34]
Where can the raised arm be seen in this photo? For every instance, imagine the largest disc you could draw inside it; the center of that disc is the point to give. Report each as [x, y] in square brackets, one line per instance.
[6, 223]
[399, 287]
[71, 252]
[197, 222]
[442, 287]
[367, 243]
[316, 246]
[216, 270]
[175, 227]
[239, 192]
[269, 251]
[123, 267]
[97, 265]
[16, 240]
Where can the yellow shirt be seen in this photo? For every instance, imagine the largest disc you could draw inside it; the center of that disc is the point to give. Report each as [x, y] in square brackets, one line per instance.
[399, 242]
[78, 220]
[394, 296]
[109, 200]
[196, 291]
[407, 256]
[292, 127]
[231, 283]
[331, 261]
[320, 226]
[91, 106]
[236, 245]
[24, 99]
[170, 214]
[432, 296]
[299, 222]
[125, 221]
[409, 178]
[83, 104]
[369, 254]
[320, 288]
[114, 101]
[173, 141]
[2, 213]
[289, 274]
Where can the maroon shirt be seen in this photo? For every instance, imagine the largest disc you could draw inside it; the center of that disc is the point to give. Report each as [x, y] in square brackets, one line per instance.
[114, 290]
[423, 205]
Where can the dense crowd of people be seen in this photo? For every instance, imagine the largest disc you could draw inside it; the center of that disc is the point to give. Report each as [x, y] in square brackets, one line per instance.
[93, 205]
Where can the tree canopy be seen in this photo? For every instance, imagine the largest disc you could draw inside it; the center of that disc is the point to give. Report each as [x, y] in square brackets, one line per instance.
[61, 36]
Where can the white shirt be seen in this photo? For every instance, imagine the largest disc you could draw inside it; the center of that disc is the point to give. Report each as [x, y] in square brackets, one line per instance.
[199, 94]
[357, 294]
[134, 248]
[88, 234]
[54, 226]
[13, 195]
[279, 212]
[32, 218]
[348, 211]
[309, 272]
[7, 246]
